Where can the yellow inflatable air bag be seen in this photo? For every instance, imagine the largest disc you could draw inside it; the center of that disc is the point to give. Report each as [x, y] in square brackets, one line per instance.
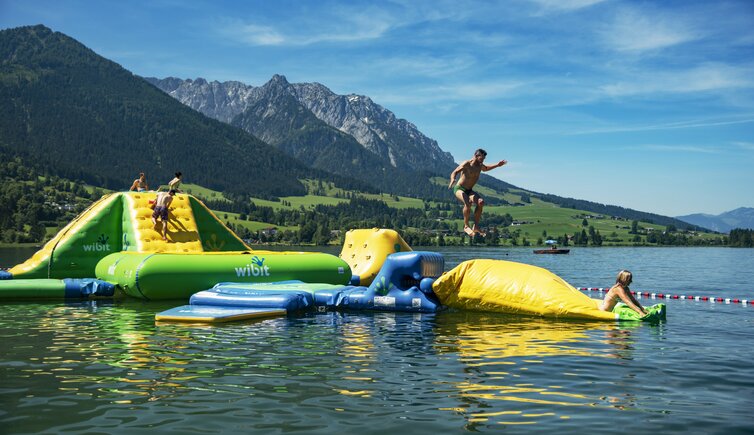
[509, 287]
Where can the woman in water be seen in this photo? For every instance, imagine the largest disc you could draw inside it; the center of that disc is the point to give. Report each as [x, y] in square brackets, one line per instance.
[621, 291]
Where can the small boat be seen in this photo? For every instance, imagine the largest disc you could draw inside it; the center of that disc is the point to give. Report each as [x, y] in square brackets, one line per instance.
[553, 249]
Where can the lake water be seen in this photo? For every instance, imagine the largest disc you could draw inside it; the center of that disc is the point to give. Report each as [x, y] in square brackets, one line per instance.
[106, 367]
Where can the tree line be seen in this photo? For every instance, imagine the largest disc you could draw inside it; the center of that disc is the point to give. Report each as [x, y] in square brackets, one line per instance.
[741, 238]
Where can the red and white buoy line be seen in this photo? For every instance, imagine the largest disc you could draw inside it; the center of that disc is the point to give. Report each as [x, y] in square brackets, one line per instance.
[710, 299]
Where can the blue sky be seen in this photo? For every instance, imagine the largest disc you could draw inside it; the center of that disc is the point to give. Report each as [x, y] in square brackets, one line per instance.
[647, 105]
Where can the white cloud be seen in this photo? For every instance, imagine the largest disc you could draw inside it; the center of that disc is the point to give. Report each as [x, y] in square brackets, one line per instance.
[482, 91]
[696, 123]
[634, 32]
[258, 35]
[708, 77]
[550, 6]
[339, 25]
[749, 146]
[681, 149]
[430, 66]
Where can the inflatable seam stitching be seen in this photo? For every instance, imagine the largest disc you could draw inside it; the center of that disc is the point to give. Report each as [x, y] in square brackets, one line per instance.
[136, 276]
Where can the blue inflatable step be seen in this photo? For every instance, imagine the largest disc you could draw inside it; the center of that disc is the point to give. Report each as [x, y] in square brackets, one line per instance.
[290, 295]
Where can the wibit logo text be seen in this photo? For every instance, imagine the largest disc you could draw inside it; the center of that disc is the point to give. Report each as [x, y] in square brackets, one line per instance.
[101, 245]
[255, 268]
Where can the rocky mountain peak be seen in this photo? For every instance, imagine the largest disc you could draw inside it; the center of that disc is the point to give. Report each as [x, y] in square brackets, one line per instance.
[278, 79]
[374, 127]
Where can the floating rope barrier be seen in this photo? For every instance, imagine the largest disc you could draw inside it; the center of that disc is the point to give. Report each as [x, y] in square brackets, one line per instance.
[710, 299]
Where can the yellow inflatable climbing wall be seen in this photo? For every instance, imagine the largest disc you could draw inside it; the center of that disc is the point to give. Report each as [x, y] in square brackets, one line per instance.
[366, 250]
[144, 236]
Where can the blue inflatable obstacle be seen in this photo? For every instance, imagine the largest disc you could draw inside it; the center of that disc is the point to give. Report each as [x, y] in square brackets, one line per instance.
[68, 288]
[403, 284]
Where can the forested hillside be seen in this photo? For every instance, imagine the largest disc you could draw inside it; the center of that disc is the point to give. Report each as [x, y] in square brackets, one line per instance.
[83, 117]
[32, 201]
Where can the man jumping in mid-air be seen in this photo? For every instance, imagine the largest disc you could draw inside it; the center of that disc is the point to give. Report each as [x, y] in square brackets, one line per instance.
[470, 170]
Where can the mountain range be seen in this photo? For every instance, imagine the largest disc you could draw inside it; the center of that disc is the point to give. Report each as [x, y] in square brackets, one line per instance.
[377, 129]
[347, 135]
[742, 217]
[305, 117]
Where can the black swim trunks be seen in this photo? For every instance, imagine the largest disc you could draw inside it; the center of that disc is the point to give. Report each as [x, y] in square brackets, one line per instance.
[458, 187]
[160, 212]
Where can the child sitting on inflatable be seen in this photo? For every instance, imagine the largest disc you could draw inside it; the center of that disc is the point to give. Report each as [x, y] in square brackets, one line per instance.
[140, 184]
[621, 291]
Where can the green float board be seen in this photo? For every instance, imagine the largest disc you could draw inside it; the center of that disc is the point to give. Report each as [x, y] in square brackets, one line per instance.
[215, 314]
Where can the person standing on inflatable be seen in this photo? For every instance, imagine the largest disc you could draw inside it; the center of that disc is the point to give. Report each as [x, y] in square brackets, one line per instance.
[470, 171]
[621, 291]
[161, 211]
[175, 183]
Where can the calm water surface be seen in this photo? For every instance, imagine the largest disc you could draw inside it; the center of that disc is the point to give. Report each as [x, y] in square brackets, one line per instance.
[106, 367]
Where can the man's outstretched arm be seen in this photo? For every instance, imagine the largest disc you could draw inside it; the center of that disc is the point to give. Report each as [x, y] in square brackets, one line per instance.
[486, 168]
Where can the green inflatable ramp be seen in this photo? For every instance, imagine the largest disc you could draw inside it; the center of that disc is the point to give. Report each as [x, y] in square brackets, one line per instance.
[122, 221]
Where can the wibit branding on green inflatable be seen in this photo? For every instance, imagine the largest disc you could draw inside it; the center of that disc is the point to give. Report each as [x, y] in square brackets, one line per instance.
[255, 268]
[100, 245]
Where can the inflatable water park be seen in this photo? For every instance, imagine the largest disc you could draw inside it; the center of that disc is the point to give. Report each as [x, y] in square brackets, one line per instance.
[113, 250]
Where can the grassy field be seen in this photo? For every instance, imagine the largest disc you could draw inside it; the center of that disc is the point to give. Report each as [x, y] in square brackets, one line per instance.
[200, 192]
[534, 220]
[331, 195]
[250, 225]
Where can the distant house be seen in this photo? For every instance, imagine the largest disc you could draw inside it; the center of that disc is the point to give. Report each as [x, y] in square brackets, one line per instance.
[270, 231]
[519, 223]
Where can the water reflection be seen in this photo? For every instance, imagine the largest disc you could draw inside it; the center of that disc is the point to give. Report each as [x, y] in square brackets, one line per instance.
[94, 364]
[509, 363]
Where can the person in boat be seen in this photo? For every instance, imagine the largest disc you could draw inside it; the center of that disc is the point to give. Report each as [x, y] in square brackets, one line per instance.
[463, 190]
[621, 291]
[161, 211]
[175, 183]
[140, 184]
